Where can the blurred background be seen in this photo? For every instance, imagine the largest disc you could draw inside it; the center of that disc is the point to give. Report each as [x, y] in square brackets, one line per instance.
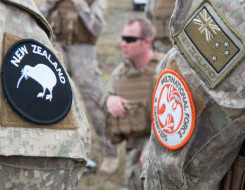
[109, 55]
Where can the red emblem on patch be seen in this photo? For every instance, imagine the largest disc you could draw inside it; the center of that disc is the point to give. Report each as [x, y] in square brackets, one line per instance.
[173, 111]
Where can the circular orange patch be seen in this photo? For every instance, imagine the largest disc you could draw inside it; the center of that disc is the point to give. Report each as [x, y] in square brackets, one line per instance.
[173, 111]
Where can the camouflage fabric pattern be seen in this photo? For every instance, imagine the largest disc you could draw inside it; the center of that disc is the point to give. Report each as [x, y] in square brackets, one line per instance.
[91, 86]
[230, 93]
[25, 161]
[207, 156]
[37, 142]
[31, 7]
[39, 173]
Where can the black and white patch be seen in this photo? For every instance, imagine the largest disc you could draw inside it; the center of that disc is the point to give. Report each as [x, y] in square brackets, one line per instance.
[35, 82]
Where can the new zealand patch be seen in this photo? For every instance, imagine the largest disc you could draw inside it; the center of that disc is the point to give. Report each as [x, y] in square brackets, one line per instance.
[35, 83]
[173, 111]
[210, 44]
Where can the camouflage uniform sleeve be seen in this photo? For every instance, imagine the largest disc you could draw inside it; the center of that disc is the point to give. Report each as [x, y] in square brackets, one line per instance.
[23, 141]
[93, 16]
[46, 8]
[207, 158]
[149, 9]
[111, 87]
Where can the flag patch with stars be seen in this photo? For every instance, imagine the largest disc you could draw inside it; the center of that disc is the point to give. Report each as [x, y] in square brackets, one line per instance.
[210, 44]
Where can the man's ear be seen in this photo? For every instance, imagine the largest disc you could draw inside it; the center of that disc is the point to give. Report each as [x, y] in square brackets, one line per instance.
[148, 41]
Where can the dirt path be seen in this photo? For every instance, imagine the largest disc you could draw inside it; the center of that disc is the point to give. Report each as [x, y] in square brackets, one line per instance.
[109, 55]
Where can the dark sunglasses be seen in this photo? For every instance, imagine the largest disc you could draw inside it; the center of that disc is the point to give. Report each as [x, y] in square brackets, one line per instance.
[130, 39]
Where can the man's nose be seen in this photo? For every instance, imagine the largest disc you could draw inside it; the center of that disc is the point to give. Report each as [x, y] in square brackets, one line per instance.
[124, 43]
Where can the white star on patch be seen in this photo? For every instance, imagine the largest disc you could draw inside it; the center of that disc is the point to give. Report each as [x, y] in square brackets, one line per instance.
[214, 58]
[216, 45]
[226, 44]
[226, 53]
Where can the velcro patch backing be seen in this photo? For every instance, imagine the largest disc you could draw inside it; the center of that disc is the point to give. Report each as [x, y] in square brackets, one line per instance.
[209, 43]
[33, 87]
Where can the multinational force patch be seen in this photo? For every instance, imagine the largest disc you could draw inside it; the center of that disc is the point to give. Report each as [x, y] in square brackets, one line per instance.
[210, 44]
[173, 111]
[35, 83]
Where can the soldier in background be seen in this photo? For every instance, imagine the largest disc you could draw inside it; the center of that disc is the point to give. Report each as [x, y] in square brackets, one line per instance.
[77, 25]
[159, 12]
[43, 144]
[128, 98]
[198, 110]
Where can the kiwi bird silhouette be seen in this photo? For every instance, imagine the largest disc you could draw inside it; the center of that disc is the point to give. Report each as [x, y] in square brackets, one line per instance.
[41, 74]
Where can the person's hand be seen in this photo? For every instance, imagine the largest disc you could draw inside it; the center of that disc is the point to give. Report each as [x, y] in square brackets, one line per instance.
[114, 105]
[77, 1]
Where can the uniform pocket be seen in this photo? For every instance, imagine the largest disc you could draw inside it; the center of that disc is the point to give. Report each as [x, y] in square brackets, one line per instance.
[138, 118]
[39, 173]
[150, 175]
[112, 129]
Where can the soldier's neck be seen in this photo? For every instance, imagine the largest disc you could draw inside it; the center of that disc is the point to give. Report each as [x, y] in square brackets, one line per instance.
[143, 60]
